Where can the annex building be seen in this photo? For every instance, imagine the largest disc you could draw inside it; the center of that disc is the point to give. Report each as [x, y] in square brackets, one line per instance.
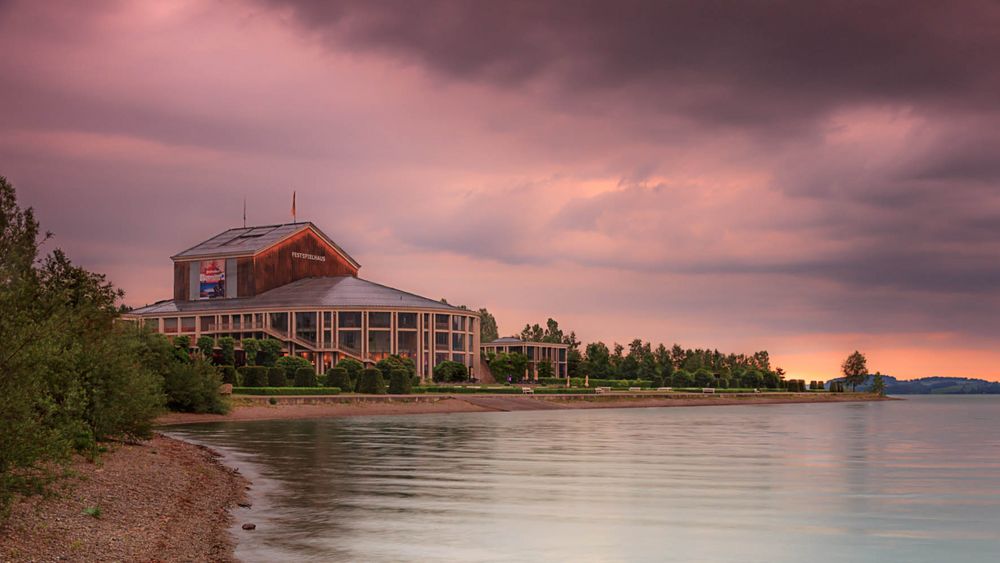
[293, 283]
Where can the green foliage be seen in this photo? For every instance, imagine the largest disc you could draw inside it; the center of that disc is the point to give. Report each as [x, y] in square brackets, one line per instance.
[291, 363]
[68, 375]
[371, 382]
[488, 331]
[353, 367]
[276, 377]
[305, 377]
[183, 342]
[251, 348]
[506, 367]
[93, 511]
[400, 382]
[704, 378]
[286, 391]
[681, 378]
[468, 390]
[255, 376]
[229, 375]
[878, 384]
[855, 369]
[451, 372]
[206, 345]
[395, 361]
[545, 369]
[270, 351]
[338, 377]
[194, 387]
[227, 350]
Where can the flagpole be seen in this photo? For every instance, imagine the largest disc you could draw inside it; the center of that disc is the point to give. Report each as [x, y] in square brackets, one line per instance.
[294, 221]
[244, 212]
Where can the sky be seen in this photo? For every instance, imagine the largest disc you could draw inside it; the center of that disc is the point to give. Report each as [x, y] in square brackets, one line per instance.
[808, 178]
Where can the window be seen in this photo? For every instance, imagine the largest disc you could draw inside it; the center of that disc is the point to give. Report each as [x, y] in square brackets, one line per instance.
[327, 320]
[460, 358]
[207, 323]
[349, 319]
[187, 324]
[305, 326]
[379, 344]
[438, 358]
[562, 354]
[406, 320]
[441, 340]
[406, 343]
[279, 322]
[350, 341]
[153, 324]
[236, 322]
[380, 320]
[458, 342]
[427, 339]
[441, 322]
[170, 324]
[457, 323]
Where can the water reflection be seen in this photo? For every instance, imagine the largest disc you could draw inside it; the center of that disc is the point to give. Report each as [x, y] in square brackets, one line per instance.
[915, 480]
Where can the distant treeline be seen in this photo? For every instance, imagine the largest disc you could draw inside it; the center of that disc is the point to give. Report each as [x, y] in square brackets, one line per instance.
[934, 386]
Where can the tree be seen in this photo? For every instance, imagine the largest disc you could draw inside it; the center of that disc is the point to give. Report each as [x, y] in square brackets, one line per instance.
[597, 361]
[270, 351]
[227, 350]
[251, 347]
[509, 367]
[878, 384]
[451, 372]
[545, 369]
[354, 369]
[855, 369]
[206, 345]
[488, 330]
[395, 361]
[292, 363]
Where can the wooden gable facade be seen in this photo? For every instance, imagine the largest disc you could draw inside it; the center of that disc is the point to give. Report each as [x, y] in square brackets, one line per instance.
[304, 254]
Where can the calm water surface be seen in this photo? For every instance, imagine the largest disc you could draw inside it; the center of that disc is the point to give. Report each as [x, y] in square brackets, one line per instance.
[914, 480]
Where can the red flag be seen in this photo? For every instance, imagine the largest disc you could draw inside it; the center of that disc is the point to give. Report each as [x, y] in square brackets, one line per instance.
[293, 206]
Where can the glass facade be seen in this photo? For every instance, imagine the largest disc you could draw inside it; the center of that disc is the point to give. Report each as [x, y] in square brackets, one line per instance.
[305, 326]
[350, 341]
[406, 320]
[349, 320]
[380, 320]
[406, 343]
[379, 344]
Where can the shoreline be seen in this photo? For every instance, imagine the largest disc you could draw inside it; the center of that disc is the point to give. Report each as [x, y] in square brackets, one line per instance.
[163, 499]
[253, 408]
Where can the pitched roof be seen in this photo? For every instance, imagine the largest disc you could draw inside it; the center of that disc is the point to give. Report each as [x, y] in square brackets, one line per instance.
[245, 241]
[320, 292]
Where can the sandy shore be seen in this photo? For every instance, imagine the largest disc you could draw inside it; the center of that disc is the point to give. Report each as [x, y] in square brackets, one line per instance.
[162, 500]
[288, 408]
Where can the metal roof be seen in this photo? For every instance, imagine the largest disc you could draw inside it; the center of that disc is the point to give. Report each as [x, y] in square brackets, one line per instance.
[251, 240]
[319, 292]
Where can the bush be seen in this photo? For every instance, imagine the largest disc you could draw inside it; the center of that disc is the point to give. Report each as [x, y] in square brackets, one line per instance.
[371, 382]
[286, 391]
[254, 376]
[681, 378]
[399, 382]
[227, 350]
[305, 377]
[353, 367]
[194, 387]
[251, 347]
[270, 351]
[206, 345]
[415, 381]
[338, 377]
[451, 372]
[395, 361]
[276, 377]
[292, 363]
[229, 375]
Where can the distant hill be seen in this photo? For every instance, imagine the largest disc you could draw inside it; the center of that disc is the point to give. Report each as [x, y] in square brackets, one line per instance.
[934, 386]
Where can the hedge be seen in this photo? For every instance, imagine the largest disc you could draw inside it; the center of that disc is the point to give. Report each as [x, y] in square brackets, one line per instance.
[399, 381]
[338, 377]
[371, 382]
[253, 376]
[229, 375]
[305, 377]
[286, 390]
[277, 377]
[460, 389]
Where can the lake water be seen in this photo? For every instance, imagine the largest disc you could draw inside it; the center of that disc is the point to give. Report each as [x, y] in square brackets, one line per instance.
[913, 480]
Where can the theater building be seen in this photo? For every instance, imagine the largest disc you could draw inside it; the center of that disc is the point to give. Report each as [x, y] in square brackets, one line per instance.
[293, 283]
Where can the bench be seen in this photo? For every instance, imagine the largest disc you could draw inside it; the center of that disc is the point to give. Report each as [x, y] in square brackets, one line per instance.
[528, 390]
[635, 388]
[664, 388]
[602, 390]
[708, 390]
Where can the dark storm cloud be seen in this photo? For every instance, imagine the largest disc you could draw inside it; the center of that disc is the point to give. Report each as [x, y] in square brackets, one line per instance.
[765, 64]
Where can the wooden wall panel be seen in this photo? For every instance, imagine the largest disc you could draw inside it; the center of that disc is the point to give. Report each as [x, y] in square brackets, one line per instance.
[277, 266]
[182, 280]
[244, 277]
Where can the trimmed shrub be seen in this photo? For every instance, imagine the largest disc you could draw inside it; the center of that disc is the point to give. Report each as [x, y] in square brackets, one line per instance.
[276, 377]
[353, 367]
[395, 361]
[194, 387]
[338, 377]
[399, 382]
[270, 351]
[305, 377]
[229, 375]
[292, 363]
[254, 376]
[451, 372]
[415, 381]
[227, 350]
[371, 382]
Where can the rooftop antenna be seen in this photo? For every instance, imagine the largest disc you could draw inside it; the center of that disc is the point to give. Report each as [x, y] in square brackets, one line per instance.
[244, 212]
[293, 207]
